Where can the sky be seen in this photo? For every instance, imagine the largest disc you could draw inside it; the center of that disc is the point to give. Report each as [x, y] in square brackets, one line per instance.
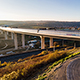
[53, 10]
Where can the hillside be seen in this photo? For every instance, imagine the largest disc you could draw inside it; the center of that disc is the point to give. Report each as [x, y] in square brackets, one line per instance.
[37, 24]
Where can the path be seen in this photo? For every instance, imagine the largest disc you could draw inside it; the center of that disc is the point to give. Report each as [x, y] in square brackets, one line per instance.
[73, 70]
[69, 70]
[1, 51]
[5, 46]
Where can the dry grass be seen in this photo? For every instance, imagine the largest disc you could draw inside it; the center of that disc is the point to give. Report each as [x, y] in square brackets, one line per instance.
[28, 67]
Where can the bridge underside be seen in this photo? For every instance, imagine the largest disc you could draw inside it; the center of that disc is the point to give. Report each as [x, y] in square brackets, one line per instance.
[53, 36]
[42, 34]
[75, 38]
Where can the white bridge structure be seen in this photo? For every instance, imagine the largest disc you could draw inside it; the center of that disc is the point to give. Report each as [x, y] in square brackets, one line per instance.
[73, 35]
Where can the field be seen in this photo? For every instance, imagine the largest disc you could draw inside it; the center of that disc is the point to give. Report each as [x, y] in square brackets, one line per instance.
[29, 66]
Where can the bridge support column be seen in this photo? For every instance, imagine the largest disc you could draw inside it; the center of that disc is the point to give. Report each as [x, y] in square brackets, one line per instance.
[23, 40]
[62, 42]
[1, 31]
[12, 37]
[42, 42]
[7, 32]
[6, 37]
[74, 44]
[15, 41]
[51, 42]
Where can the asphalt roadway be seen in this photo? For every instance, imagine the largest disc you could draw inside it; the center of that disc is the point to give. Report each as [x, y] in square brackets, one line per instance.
[69, 70]
[15, 57]
[73, 70]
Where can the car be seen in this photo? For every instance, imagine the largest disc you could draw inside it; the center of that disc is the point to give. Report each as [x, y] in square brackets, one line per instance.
[6, 26]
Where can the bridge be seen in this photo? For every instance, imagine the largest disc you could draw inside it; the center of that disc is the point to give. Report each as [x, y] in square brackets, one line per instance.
[68, 35]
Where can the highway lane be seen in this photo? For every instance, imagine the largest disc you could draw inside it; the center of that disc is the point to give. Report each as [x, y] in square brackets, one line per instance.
[73, 70]
[18, 56]
[69, 70]
[23, 55]
[75, 35]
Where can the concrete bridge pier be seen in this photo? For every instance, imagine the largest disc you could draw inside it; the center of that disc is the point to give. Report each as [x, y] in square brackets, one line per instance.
[6, 37]
[42, 42]
[51, 42]
[7, 32]
[15, 41]
[12, 35]
[1, 31]
[74, 44]
[23, 40]
[62, 42]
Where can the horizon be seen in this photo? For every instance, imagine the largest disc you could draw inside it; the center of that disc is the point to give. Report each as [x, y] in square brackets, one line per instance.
[40, 20]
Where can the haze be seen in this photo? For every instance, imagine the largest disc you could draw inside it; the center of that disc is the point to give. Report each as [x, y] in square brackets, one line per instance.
[57, 10]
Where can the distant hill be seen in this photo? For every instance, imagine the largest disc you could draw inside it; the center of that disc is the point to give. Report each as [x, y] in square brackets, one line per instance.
[37, 24]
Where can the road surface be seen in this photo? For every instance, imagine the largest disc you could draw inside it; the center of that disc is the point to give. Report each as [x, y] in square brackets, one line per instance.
[73, 70]
[69, 35]
[69, 70]
[18, 56]
[22, 55]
